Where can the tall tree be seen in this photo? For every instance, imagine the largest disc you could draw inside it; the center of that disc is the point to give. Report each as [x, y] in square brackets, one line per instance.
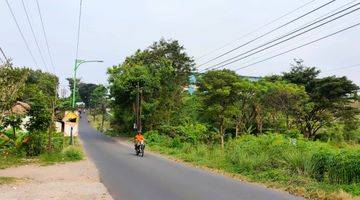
[329, 96]
[219, 93]
[85, 91]
[98, 102]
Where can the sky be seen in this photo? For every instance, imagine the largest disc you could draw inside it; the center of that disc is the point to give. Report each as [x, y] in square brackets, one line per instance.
[112, 30]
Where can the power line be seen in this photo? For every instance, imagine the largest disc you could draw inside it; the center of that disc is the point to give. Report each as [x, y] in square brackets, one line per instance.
[267, 33]
[309, 37]
[45, 36]
[226, 62]
[21, 33]
[255, 30]
[340, 68]
[78, 32]
[33, 34]
[301, 46]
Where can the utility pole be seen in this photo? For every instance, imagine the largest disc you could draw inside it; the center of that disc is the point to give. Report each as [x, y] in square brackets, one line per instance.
[138, 107]
[51, 127]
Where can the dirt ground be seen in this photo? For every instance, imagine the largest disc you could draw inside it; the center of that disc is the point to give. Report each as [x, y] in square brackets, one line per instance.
[75, 181]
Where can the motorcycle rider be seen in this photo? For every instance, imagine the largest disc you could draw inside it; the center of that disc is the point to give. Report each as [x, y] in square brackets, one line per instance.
[138, 139]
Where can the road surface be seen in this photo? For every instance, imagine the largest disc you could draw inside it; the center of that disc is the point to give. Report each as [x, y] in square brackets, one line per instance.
[128, 177]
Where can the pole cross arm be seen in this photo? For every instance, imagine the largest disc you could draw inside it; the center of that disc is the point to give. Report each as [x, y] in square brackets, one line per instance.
[78, 62]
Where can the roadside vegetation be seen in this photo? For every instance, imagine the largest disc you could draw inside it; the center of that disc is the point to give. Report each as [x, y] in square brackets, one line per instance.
[7, 180]
[28, 108]
[294, 131]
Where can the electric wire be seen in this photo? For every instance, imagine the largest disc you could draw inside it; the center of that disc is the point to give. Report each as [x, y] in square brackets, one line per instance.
[33, 34]
[341, 68]
[308, 37]
[301, 46]
[255, 30]
[226, 62]
[267, 33]
[21, 33]
[45, 37]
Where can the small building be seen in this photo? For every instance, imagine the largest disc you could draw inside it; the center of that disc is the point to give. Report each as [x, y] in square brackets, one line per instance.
[70, 123]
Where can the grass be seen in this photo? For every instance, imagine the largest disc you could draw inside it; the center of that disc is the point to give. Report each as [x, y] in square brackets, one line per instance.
[13, 161]
[276, 162]
[67, 154]
[7, 180]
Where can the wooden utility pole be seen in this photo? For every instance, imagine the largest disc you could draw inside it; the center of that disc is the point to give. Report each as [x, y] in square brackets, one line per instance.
[52, 124]
[138, 108]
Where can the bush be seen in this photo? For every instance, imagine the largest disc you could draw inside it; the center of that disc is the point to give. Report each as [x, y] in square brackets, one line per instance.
[72, 153]
[345, 167]
[154, 137]
[320, 164]
[36, 143]
[192, 133]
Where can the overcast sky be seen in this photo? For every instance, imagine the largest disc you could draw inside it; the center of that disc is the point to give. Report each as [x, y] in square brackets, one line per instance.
[113, 29]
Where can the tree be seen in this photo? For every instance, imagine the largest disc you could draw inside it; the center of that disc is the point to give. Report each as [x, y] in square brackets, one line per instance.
[71, 87]
[85, 91]
[12, 84]
[329, 96]
[219, 93]
[98, 102]
[162, 71]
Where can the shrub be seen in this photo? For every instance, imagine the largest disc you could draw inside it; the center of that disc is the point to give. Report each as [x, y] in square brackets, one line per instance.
[155, 137]
[72, 153]
[36, 143]
[320, 164]
[175, 143]
[345, 167]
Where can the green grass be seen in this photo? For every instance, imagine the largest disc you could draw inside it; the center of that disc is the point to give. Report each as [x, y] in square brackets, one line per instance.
[67, 154]
[13, 161]
[7, 180]
[311, 169]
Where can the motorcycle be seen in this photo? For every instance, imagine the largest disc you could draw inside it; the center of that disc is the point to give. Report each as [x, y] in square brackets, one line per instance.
[140, 148]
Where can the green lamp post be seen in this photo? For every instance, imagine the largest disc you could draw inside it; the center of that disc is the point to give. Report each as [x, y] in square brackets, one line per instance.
[78, 62]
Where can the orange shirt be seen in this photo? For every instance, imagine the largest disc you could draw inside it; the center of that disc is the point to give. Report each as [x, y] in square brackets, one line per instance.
[139, 138]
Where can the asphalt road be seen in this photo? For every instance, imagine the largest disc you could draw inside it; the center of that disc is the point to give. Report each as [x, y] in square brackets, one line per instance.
[128, 177]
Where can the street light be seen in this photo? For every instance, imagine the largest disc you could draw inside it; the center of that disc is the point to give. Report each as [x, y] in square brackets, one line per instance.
[78, 62]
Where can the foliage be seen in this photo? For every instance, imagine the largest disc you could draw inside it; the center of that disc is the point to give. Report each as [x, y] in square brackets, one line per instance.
[12, 83]
[274, 159]
[7, 180]
[85, 92]
[330, 98]
[219, 94]
[73, 153]
[160, 71]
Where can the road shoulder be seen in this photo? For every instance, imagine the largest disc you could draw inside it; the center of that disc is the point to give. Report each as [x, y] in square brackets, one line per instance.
[74, 180]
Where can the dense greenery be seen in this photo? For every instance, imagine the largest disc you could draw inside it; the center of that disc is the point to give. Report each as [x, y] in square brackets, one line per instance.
[161, 72]
[27, 112]
[297, 165]
[262, 129]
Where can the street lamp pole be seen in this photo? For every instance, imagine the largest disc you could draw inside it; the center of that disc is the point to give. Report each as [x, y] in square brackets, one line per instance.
[78, 62]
